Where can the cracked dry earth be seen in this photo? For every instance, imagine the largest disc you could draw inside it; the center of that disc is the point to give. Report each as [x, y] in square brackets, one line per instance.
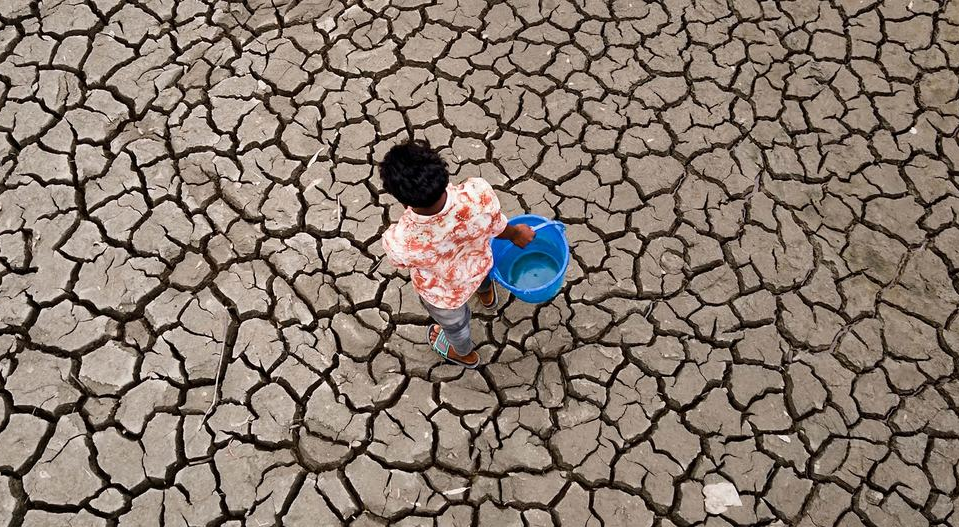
[760, 321]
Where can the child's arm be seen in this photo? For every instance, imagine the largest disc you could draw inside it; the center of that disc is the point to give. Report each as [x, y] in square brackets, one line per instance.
[520, 235]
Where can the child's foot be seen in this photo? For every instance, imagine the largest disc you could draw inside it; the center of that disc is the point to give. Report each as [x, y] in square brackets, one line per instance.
[444, 349]
[488, 298]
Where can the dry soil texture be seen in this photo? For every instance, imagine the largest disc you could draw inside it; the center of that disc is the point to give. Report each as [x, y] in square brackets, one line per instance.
[760, 320]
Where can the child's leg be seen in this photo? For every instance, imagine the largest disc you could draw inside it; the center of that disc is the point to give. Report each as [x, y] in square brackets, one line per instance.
[487, 293]
[486, 285]
[456, 325]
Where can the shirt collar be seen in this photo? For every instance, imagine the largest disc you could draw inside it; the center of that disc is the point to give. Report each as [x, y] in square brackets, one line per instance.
[419, 218]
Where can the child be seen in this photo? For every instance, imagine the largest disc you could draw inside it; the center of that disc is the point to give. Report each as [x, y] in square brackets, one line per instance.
[443, 238]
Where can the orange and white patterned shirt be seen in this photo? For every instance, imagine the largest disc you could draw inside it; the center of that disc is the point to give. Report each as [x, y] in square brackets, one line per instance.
[448, 254]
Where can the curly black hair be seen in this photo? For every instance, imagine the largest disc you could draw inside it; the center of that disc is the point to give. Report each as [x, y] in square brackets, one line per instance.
[414, 174]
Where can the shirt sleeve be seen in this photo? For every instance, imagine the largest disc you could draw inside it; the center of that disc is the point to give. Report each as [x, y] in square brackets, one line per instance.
[393, 254]
[499, 224]
[489, 205]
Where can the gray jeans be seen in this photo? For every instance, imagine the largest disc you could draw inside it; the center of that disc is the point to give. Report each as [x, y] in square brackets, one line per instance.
[456, 322]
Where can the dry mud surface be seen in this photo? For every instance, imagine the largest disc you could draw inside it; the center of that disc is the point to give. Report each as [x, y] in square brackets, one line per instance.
[760, 320]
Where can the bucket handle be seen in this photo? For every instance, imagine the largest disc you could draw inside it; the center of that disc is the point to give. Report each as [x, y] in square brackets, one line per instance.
[547, 223]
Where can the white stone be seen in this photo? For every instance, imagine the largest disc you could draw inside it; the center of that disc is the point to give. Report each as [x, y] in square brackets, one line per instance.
[721, 496]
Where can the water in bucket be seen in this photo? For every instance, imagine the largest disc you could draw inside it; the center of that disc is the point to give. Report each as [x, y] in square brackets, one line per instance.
[533, 270]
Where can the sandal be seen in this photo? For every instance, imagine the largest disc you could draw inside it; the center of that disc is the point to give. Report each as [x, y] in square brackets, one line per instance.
[441, 347]
[494, 303]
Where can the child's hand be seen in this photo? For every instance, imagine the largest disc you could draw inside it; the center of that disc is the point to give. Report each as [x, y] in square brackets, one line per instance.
[522, 235]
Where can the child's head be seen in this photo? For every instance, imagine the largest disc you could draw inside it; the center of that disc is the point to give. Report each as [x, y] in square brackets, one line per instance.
[414, 174]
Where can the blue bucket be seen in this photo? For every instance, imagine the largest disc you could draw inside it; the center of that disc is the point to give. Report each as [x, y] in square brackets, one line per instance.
[536, 273]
